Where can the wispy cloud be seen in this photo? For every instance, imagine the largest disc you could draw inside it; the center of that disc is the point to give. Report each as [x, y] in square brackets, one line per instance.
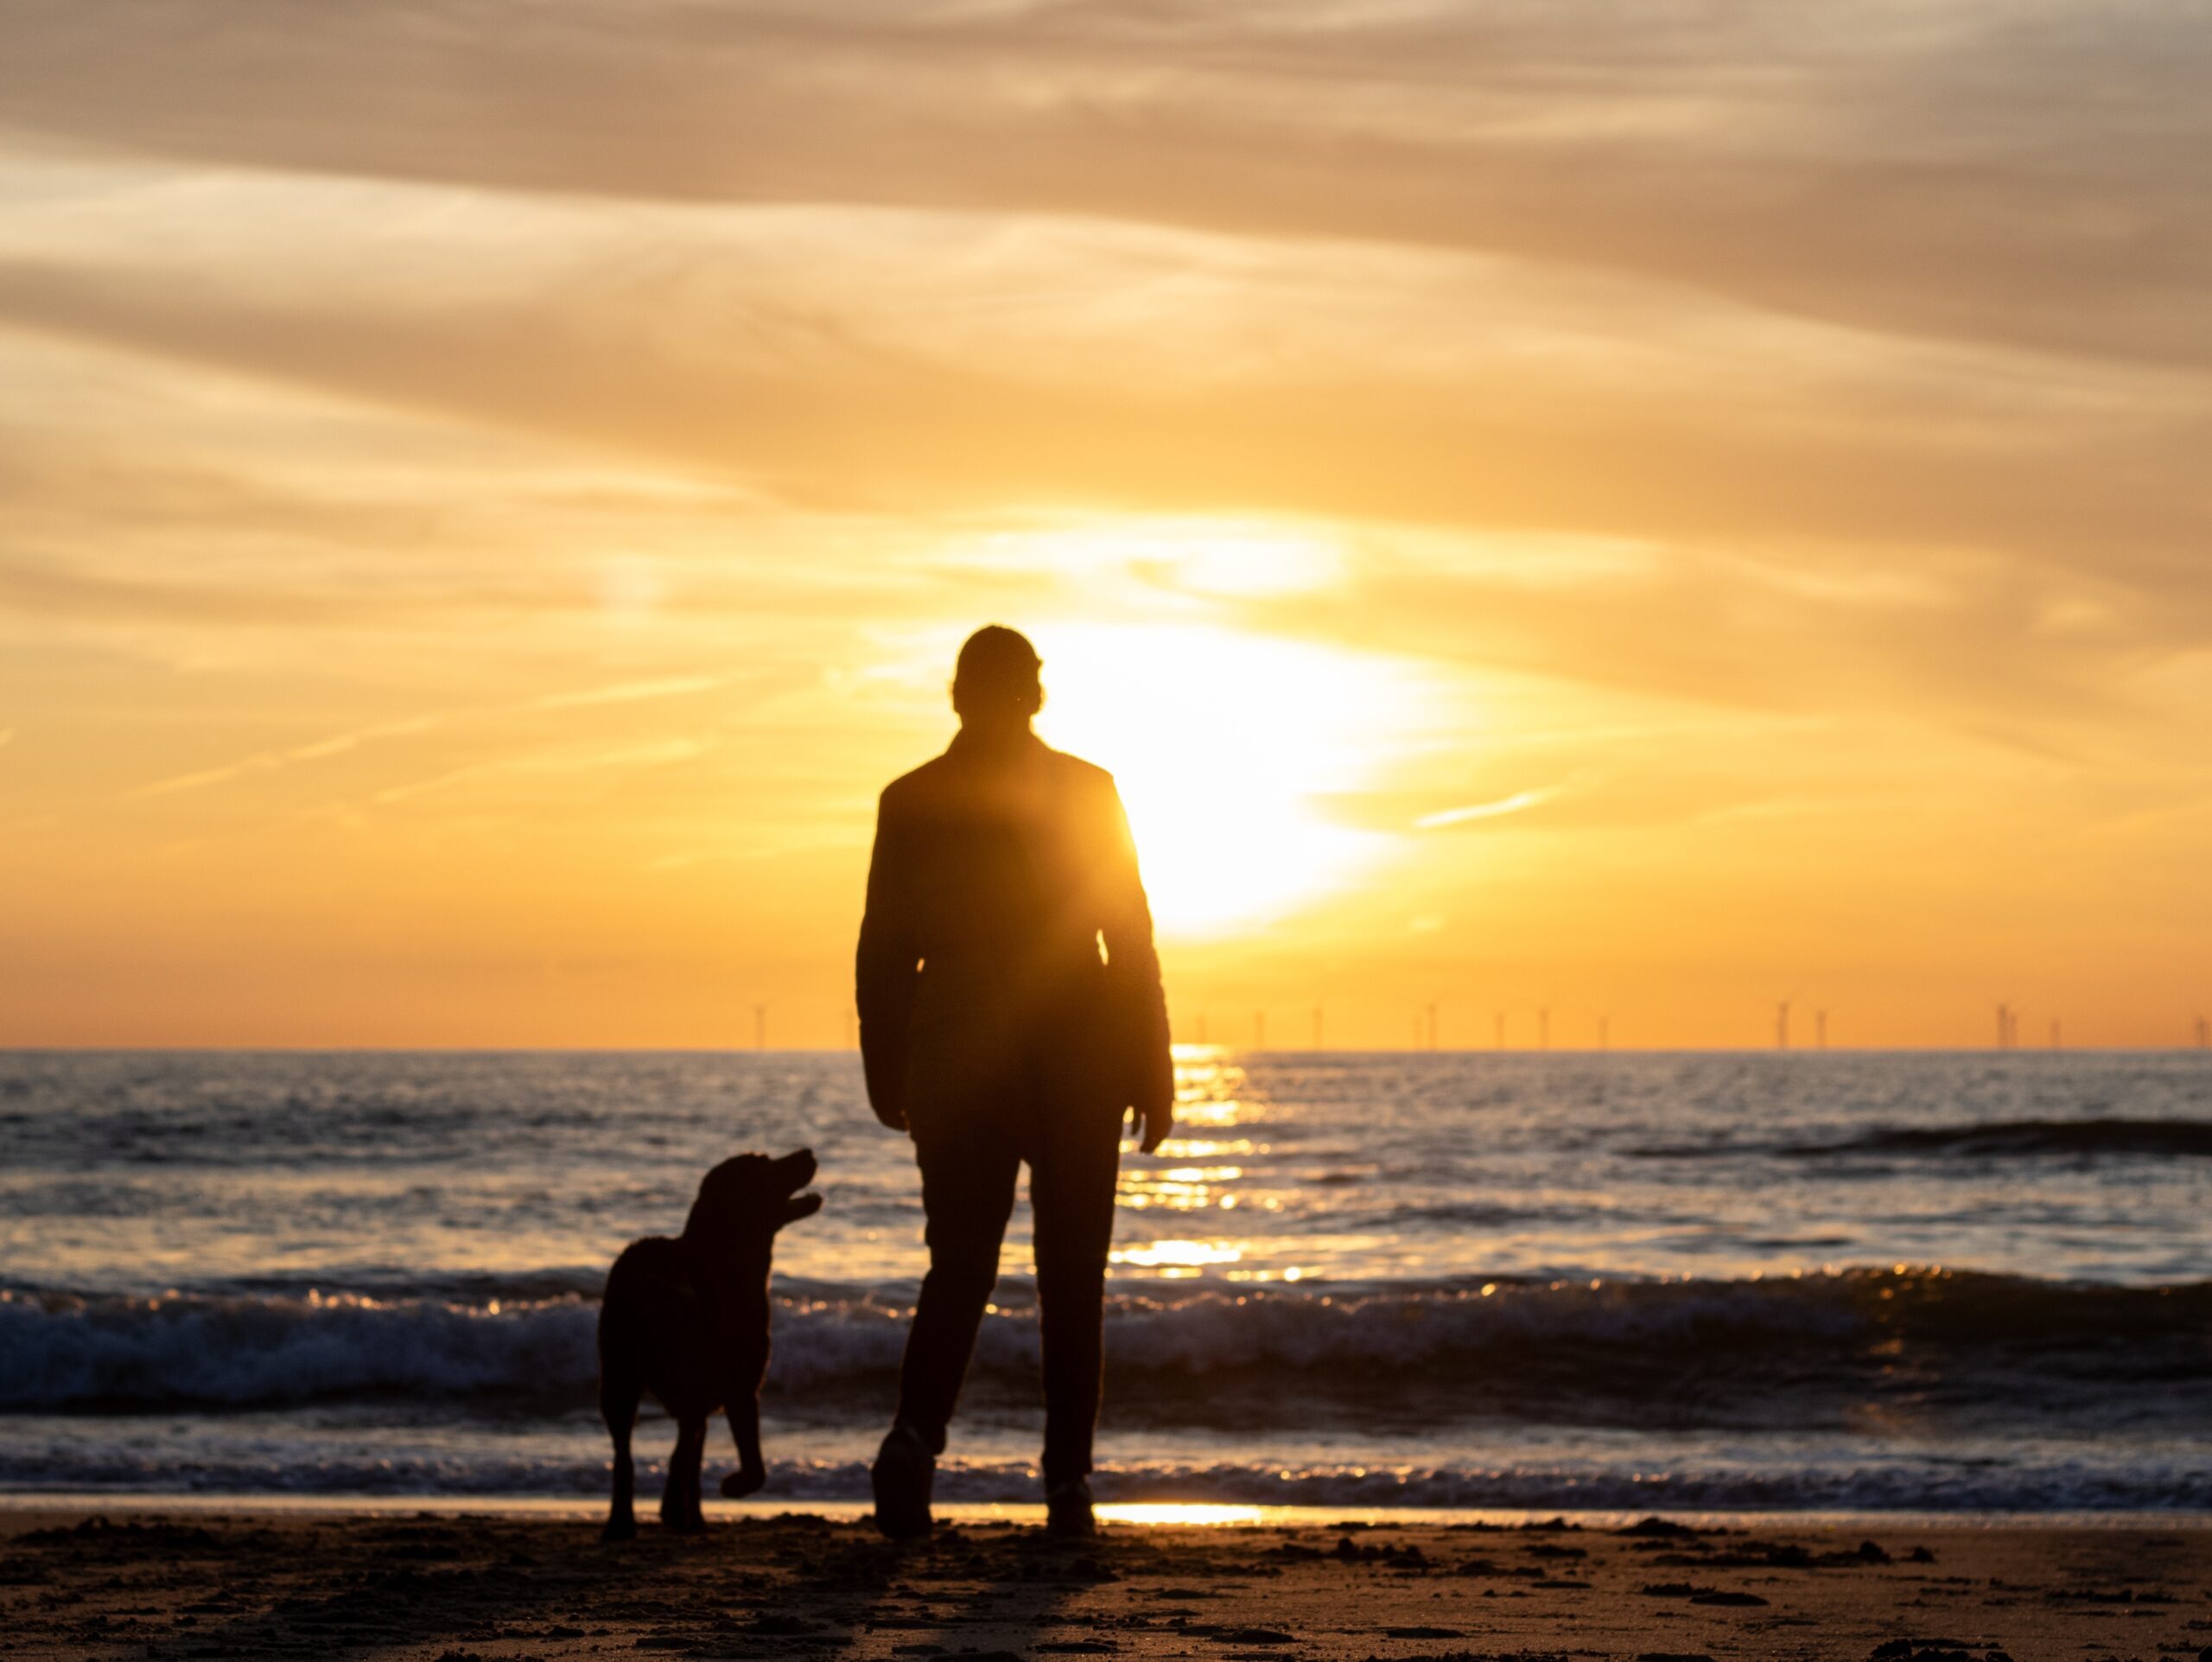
[339, 744]
[629, 693]
[1514, 804]
[659, 753]
[1954, 169]
[265, 761]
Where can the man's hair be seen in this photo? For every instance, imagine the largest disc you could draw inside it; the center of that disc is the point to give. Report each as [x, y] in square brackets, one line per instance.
[997, 669]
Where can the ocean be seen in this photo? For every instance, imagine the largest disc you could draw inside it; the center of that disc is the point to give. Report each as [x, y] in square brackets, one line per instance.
[1814, 1280]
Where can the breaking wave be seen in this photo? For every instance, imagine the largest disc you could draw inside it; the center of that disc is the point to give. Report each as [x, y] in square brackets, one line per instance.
[1502, 1347]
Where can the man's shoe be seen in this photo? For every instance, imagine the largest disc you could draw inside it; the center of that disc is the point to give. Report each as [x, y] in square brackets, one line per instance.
[1067, 1510]
[903, 1475]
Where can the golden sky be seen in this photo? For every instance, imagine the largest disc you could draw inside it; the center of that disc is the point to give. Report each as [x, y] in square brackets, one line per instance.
[1633, 510]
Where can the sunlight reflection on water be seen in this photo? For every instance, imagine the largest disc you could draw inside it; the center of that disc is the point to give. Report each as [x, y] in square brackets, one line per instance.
[1180, 1511]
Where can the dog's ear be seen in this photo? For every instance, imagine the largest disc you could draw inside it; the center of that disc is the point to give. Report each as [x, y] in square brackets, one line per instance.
[800, 1206]
[726, 1198]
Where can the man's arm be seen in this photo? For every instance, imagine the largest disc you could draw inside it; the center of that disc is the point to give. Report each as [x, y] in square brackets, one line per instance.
[1133, 974]
[886, 968]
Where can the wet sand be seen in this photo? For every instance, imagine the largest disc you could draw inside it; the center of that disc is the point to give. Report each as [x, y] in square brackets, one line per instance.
[129, 1581]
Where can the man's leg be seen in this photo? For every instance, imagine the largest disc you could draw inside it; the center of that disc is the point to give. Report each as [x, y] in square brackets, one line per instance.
[969, 1170]
[1072, 1179]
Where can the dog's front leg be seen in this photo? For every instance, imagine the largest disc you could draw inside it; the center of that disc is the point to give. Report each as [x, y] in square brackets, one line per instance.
[618, 1406]
[745, 1431]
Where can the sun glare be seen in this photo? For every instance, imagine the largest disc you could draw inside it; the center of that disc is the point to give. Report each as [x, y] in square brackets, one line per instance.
[1222, 745]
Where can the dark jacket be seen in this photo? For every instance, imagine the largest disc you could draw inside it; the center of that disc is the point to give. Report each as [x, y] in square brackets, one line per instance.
[1000, 871]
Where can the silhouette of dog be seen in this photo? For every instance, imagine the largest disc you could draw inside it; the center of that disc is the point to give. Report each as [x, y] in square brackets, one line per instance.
[688, 1321]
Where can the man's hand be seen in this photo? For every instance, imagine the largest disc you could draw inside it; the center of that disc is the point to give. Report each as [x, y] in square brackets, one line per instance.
[1150, 1125]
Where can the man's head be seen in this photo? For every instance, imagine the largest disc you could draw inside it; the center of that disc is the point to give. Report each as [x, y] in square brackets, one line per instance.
[994, 685]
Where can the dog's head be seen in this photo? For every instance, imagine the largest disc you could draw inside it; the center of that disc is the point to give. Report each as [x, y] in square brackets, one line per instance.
[743, 1202]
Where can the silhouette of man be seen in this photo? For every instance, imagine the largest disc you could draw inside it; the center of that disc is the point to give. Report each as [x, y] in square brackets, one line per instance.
[994, 1031]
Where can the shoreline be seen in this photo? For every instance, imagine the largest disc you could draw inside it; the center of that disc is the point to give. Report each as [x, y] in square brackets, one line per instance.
[143, 1578]
[1193, 1514]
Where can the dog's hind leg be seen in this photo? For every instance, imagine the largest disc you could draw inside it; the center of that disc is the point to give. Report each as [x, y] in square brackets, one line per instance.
[745, 1431]
[679, 1501]
[695, 1516]
[619, 1396]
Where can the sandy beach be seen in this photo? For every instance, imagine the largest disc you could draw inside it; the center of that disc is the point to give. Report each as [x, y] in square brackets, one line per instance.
[130, 1581]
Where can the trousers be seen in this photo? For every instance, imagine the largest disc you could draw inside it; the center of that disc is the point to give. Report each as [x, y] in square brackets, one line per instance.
[971, 1143]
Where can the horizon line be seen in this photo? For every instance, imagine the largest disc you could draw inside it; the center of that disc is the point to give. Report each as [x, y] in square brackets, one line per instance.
[1182, 1048]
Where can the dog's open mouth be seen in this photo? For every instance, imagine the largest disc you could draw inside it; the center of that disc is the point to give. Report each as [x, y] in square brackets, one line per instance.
[797, 1170]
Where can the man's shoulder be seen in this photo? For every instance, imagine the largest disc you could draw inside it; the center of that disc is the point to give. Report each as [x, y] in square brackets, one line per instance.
[1078, 774]
[915, 784]
[944, 777]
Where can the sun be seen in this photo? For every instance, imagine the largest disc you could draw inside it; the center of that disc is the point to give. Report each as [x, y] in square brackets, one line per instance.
[1225, 746]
